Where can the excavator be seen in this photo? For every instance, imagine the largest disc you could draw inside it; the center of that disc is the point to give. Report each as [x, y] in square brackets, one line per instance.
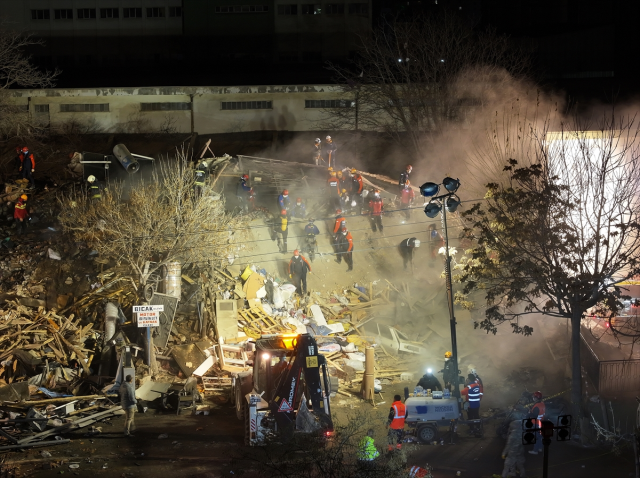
[286, 393]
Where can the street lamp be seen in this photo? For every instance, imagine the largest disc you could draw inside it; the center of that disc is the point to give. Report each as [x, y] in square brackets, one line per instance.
[447, 202]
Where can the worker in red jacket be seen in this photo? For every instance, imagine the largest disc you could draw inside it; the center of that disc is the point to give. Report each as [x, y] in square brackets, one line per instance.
[406, 198]
[345, 247]
[27, 166]
[298, 268]
[340, 221]
[376, 208]
[20, 214]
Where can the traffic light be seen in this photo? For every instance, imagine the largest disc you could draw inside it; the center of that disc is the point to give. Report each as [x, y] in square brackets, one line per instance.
[564, 428]
[529, 431]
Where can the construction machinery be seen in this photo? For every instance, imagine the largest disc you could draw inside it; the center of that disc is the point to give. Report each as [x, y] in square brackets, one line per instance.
[286, 393]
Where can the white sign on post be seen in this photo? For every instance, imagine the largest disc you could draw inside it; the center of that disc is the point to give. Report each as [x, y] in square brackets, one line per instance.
[148, 315]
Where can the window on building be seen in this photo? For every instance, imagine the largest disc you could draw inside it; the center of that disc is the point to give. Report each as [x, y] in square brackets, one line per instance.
[358, 9]
[175, 11]
[132, 13]
[311, 9]
[288, 9]
[246, 105]
[63, 14]
[329, 103]
[86, 13]
[334, 9]
[40, 14]
[41, 108]
[155, 12]
[242, 9]
[166, 106]
[109, 13]
[85, 108]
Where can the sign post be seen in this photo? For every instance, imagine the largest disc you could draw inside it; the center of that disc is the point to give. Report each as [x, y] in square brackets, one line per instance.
[148, 316]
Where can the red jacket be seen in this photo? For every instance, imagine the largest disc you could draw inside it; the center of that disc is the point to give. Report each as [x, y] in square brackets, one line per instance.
[20, 211]
[30, 157]
[376, 206]
[339, 222]
[350, 241]
[407, 195]
[358, 178]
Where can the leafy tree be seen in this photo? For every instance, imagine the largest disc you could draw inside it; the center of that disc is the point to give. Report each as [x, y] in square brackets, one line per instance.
[559, 231]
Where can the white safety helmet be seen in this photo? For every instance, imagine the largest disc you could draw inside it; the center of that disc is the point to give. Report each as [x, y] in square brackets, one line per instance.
[91, 178]
[354, 203]
[328, 137]
[318, 140]
[205, 164]
[416, 243]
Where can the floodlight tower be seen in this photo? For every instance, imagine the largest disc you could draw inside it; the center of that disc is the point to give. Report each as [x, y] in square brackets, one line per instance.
[444, 203]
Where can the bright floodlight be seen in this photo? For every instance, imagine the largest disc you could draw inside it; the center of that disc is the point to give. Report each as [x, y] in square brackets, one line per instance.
[266, 356]
[452, 203]
[429, 189]
[451, 184]
[429, 370]
[432, 209]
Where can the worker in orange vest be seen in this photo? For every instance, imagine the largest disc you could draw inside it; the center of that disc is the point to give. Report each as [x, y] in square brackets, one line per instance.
[397, 416]
[538, 412]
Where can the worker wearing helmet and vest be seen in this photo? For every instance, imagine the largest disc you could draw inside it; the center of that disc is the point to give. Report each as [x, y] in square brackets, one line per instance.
[397, 416]
[537, 412]
[333, 186]
[94, 189]
[474, 395]
[345, 247]
[407, 248]
[404, 177]
[376, 207]
[27, 166]
[299, 209]
[298, 267]
[283, 201]
[20, 214]
[406, 198]
[329, 150]
[449, 375]
[317, 152]
[201, 175]
[283, 231]
[357, 187]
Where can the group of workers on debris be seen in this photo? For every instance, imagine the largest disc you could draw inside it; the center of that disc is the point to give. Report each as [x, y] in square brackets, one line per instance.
[26, 164]
[513, 452]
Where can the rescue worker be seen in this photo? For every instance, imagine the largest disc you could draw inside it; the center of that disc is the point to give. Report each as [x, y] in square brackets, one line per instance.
[299, 209]
[317, 152]
[252, 199]
[406, 198]
[356, 189]
[27, 166]
[311, 231]
[397, 416]
[345, 247]
[201, 176]
[243, 192]
[329, 150]
[537, 412]
[333, 183]
[407, 247]
[20, 214]
[93, 189]
[436, 241]
[449, 375]
[367, 451]
[298, 267]
[513, 452]
[339, 222]
[283, 201]
[419, 472]
[377, 210]
[404, 177]
[283, 231]
[430, 381]
[473, 394]
[345, 200]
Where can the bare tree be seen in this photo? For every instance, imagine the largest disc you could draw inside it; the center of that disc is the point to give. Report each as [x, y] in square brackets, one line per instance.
[16, 70]
[559, 230]
[160, 220]
[415, 77]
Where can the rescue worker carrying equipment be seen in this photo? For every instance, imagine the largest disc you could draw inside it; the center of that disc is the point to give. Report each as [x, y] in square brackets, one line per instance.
[20, 214]
[430, 382]
[317, 152]
[377, 210]
[397, 416]
[27, 166]
[538, 412]
[298, 267]
[407, 247]
[243, 192]
[284, 201]
[345, 248]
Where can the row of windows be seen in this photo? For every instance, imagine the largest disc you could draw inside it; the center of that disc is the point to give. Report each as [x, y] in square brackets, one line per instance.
[91, 13]
[242, 9]
[330, 9]
[178, 106]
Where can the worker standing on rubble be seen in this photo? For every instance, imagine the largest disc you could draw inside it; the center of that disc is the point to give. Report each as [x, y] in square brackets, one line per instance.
[404, 177]
[311, 231]
[93, 188]
[513, 452]
[329, 150]
[430, 381]
[298, 267]
[283, 201]
[407, 248]
[356, 189]
[20, 214]
[128, 402]
[473, 394]
[27, 166]
[317, 151]
[201, 176]
[345, 247]
[537, 412]
[243, 191]
[397, 416]
[345, 200]
[406, 198]
[283, 230]
[299, 209]
[436, 241]
[339, 222]
[333, 184]
[377, 210]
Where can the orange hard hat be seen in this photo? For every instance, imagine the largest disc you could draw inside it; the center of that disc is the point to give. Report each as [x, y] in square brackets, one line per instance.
[25, 149]
[333, 173]
[338, 211]
[24, 197]
[283, 212]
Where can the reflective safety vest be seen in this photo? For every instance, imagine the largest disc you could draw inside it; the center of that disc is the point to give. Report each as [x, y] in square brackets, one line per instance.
[399, 412]
[94, 189]
[418, 472]
[201, 177]
[367, 451]
[473, 395]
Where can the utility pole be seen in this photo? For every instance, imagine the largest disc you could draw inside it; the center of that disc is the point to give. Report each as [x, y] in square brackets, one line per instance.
[452, 317]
